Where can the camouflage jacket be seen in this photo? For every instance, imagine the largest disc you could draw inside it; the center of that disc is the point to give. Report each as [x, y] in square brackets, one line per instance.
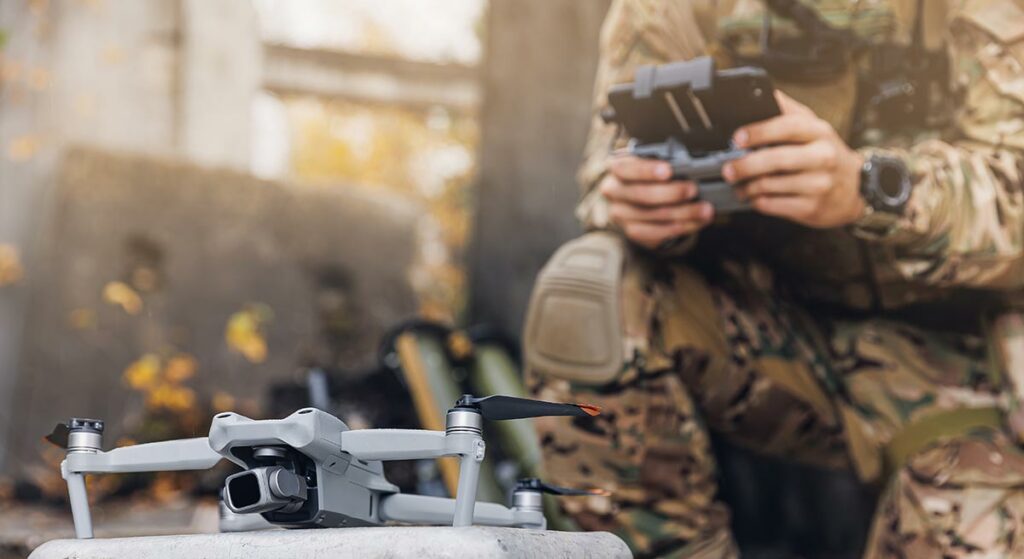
[962, 237]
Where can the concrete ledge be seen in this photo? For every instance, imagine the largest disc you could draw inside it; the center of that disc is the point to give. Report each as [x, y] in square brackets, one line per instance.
[389, 542]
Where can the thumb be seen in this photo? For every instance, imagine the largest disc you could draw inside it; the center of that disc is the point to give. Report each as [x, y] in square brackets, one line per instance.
[788, 105]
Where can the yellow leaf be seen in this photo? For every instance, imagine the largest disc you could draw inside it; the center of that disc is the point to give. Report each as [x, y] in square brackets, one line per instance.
[170, 397]
[222, 401]
[11, 270]
[182, 399]
[23, 148]
[245, 332]
[144, 373]
[82, 319]
[180, 368]
[120, 293]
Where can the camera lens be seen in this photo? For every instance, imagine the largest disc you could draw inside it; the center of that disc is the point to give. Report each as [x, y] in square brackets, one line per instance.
[266, 489]
[243, 490]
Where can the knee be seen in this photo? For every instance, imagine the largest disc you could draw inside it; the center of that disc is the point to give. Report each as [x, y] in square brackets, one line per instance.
[962, 498]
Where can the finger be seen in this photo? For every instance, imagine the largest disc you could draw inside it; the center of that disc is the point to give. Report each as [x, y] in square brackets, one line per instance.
[628, 213]
[794, 208]
[820, 155]
[649, 194]
[789, 105]
[785, 129]
[629, 169]
[799, 184]
[654, 235]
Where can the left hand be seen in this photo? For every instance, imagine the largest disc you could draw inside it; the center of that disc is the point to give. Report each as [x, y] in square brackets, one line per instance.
[807, 174]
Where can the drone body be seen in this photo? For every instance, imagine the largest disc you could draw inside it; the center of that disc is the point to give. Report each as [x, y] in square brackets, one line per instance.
[295, 471]
[310, 470]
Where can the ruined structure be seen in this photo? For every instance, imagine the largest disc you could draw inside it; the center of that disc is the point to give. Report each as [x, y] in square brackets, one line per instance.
[126, 186]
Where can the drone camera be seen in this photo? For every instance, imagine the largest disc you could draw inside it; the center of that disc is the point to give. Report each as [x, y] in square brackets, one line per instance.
[266, 489]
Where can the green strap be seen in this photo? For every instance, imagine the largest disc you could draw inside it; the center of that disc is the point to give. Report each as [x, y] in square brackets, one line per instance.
[932, 428]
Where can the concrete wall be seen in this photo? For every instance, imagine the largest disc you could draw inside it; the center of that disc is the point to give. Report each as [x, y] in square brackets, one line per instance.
[121, 74]
[331, 263]
[221, 71]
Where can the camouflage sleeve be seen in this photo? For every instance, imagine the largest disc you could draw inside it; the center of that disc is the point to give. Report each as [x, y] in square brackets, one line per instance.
[635, 32]
[965, 221]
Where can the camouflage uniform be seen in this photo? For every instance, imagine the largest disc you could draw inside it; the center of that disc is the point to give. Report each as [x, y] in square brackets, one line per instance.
[829, 347]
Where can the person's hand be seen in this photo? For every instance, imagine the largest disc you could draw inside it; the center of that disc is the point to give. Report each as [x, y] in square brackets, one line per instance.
[807, 175]
[647, 205]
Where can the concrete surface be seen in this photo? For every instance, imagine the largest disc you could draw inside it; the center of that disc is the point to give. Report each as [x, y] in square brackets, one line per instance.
[390, 542]
[24, 527]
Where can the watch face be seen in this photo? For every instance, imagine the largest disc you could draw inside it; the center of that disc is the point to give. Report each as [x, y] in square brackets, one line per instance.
[889, 184]
[890, 181]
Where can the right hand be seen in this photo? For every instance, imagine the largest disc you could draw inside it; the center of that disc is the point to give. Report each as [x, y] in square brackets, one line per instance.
[649, 207]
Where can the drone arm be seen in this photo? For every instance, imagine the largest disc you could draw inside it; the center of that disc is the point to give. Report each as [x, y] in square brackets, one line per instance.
[394, 444]
[420, 509]
[185, 454]
[411, 444]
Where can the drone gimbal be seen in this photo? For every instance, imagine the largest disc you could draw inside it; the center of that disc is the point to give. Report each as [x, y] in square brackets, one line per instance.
[310, 470]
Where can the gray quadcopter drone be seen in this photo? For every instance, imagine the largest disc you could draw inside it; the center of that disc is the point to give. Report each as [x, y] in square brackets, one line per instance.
[310, 470]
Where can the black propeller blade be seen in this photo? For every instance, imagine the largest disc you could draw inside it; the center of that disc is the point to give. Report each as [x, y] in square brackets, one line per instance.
[509, 407]
[59, 435]
[534, 484]
[62, 431]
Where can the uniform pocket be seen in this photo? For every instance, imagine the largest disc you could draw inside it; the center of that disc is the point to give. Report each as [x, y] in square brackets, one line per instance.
[574, 323]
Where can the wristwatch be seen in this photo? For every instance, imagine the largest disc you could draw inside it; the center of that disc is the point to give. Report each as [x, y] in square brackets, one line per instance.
[885, 185]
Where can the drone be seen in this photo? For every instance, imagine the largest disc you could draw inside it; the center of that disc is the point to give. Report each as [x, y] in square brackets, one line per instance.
[309, 470]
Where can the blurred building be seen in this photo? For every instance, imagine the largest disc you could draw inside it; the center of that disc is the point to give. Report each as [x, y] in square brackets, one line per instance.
[197, 198]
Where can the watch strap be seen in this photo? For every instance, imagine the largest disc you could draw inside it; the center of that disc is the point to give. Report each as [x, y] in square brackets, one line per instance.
[874, 224]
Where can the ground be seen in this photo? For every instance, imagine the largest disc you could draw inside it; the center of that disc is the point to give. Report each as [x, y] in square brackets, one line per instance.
[24, 527]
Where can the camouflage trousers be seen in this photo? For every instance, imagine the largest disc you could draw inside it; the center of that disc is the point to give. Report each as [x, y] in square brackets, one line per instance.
[733, 355]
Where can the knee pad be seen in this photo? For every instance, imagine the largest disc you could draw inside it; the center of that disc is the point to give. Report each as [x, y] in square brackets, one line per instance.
[574, 320]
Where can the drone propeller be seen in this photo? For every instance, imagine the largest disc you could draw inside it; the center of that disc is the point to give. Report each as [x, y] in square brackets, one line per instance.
[534, 484]
[509, 407]
[59, 435]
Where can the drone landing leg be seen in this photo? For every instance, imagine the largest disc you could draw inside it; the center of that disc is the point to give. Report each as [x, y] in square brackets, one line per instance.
[79, 505]
[469, 477]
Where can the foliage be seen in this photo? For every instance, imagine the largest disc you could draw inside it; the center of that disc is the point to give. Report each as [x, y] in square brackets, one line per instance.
[121, 294]
[426, 154]
[246, 331]
[11, 270]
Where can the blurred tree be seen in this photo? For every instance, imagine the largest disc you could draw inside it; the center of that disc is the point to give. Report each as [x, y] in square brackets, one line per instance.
[541, 56]
[424, 154]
